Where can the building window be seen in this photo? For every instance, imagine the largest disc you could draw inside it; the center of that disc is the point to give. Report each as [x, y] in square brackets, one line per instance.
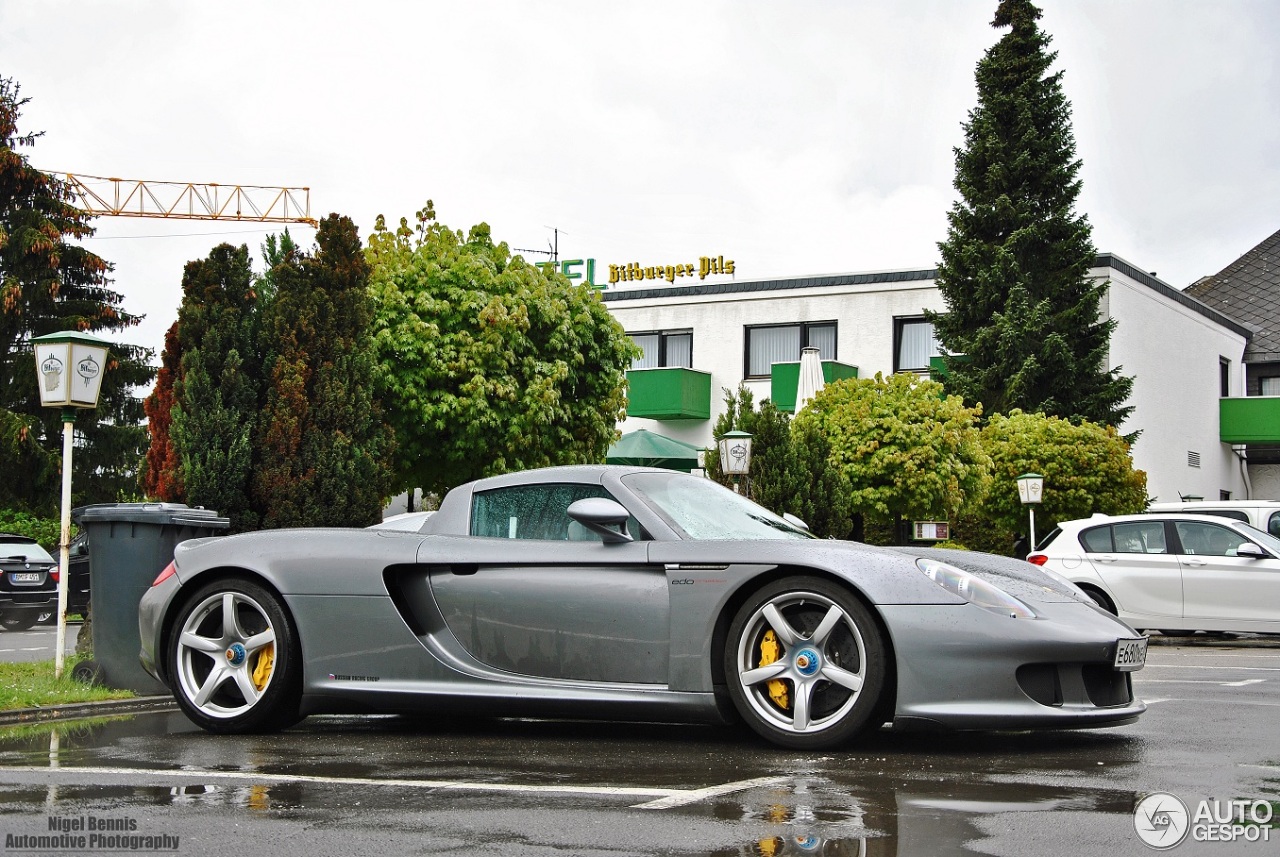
[664, 348]
[913, 345]
[1224, 377]
[781, 343]
[1269, 386]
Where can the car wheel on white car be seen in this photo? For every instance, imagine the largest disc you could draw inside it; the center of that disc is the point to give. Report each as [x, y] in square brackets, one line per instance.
[234, 659]
[805, 663]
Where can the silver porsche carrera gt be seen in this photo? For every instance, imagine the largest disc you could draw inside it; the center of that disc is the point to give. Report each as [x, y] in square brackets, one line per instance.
[628, 593]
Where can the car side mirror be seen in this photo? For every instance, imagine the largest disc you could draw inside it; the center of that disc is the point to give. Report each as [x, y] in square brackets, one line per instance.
[602, 516]
[794, 521]
[1249, 550]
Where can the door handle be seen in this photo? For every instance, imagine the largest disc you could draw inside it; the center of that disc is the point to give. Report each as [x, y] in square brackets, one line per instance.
[1194, 563]
[1104, 559]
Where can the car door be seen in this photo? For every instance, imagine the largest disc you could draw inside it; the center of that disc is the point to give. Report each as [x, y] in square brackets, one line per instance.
[539, 595]
[1134, 561]
[1219, 586]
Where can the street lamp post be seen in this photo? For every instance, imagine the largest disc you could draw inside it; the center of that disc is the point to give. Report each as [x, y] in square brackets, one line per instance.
[735, 456]
[1030, 491]
[69, 368]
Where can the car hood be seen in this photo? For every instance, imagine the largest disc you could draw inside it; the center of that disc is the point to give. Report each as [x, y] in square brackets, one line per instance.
[1018, 578]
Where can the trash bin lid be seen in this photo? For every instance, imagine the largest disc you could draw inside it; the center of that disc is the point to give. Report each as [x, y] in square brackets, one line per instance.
[150, 513]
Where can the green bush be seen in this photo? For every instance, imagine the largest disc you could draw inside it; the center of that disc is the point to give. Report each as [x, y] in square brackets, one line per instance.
[46, 531]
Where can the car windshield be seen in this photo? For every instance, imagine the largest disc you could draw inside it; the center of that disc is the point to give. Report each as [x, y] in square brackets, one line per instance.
[1267, 540]
[16, 550]
[703, 509]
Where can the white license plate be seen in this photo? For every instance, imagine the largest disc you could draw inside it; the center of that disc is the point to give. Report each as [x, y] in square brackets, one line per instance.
[1131, 654]
[25, 576]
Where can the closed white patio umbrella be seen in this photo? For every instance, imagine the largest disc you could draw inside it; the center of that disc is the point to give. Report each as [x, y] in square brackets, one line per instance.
[810, 377]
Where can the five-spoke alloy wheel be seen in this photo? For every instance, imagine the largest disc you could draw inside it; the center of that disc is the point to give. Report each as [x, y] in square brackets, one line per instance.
[805, 663]
[234, 659]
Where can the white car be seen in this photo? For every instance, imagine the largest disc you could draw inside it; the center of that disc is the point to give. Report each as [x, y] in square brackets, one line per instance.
[1171, 572]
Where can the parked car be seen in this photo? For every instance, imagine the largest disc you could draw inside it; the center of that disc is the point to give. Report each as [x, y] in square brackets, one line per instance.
[1263, 514]
[1172, 572]
[28, 581]
[78, 585]
[410, 522]
[628, 593]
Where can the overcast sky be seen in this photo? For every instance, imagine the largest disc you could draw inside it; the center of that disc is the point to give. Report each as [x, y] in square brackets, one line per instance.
[795, 138]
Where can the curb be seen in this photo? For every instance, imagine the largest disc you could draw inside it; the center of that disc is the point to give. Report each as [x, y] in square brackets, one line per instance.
[81, 710]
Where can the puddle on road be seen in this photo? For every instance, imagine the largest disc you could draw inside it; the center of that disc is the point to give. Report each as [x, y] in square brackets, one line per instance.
[901, 795]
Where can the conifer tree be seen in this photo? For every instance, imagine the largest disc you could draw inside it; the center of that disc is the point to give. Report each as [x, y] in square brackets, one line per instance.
[1022, 327]
[50, 283]
[162, 471]
[324, 447]
[217, 387]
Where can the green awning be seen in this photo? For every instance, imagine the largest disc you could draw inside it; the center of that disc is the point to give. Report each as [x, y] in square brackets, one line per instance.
[646, 449]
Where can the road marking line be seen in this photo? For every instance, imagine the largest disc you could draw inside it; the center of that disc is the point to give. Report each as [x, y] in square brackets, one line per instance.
[1252, 669]
[695, 795]
[664, 797]
[1199, 681]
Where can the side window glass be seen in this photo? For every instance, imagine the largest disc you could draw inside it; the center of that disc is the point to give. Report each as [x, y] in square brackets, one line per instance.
[1097, 540]
[534, 512]
[1208, 539]
[1139, 537]
[1273, 524]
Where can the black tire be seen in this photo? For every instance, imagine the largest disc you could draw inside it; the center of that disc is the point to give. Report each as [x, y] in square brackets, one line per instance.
[88, 672]
[47, 617]
[18, 620]
[817, 690]
[235, 675]
[1100, 599]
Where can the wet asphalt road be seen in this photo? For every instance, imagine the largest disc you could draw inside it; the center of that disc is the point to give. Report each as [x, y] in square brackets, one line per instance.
[37, 644]
[392, 785]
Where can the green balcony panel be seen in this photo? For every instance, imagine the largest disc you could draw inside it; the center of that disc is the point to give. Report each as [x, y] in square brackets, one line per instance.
[784, 381]
[1249, 419]
[671, 393]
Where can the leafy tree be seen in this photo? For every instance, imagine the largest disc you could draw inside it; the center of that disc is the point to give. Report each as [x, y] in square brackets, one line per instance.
[908, 451]
[790, 471]
[487, 364]
[1087, 468]
[217, 388]
[1022, 323]
[26, 468]
[49, 284]
[325, 449]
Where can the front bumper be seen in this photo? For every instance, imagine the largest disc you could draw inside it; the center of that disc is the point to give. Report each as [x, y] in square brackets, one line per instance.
[962, 667]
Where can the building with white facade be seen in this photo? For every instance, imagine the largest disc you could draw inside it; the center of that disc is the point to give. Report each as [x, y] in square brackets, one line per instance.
[703, 338]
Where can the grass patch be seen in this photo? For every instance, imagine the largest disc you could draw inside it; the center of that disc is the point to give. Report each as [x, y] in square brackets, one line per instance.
[32, 685]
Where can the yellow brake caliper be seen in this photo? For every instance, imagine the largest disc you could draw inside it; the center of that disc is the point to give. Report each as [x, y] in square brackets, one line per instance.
[770, 651]
[266, 660]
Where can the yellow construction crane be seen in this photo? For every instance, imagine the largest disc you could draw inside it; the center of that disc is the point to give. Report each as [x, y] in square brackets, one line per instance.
[190, 200]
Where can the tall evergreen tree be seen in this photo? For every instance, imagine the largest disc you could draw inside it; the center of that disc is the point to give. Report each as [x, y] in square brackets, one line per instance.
[162, 471]
[49, 283]
[217, 388]
[1022, 326]
[324, 445]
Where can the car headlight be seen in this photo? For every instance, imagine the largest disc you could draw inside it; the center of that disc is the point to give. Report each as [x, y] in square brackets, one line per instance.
[974, 589]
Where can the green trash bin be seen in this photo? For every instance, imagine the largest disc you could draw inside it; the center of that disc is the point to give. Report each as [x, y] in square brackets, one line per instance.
[129, 545]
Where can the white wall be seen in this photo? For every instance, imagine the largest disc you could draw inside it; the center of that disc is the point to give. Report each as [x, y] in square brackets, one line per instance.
[1173, 353]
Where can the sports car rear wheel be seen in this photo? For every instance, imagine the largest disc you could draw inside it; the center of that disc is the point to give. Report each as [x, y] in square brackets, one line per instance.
[234, 659]
[805, 663]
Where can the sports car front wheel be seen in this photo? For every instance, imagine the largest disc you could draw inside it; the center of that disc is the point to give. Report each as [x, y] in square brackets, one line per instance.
[234, 659]
[805, 663]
